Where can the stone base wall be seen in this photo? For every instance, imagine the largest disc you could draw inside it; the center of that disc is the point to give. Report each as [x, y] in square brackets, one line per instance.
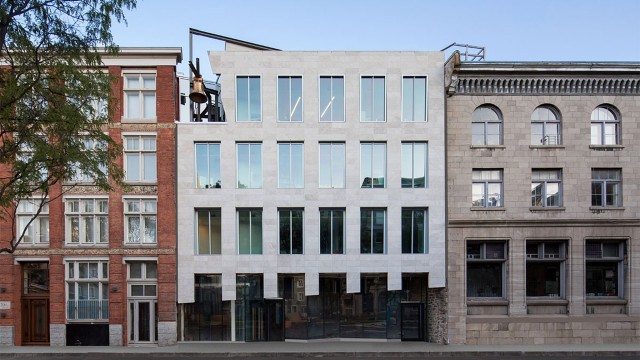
[437, 315]
[58, 335]
[6, 336]
[167, 333]
[115, 335]
[570, 332]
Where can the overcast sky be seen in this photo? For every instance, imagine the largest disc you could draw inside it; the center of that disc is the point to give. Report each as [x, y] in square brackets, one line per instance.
[511, 30]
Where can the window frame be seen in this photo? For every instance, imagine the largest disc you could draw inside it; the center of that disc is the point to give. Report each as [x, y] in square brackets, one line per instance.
[145, 281]
[284, 118]
[331, 145]
[101, 278]
[486, 183]
[36, 224]
[602, 125]
[290, 241]
[329, 107]
[96, 215]
[545, 183]
[620, 260]
[561, 260]
[483, 259]
[140, 151]
[249, 108]
[363, 177]
[209, 163]
[604, 183]
[486, 122]
[141, 214]
[413, 164]
[373, 100]
[141, 91]
[372, 214]
[251, 185]
[291, 167]
[426, 98]
[333, 251]
[412, 240]
[211, 212]
[544, 123]
[250, 210]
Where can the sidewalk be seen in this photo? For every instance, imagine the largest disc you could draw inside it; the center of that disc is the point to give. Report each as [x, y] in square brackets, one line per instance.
[334, 347]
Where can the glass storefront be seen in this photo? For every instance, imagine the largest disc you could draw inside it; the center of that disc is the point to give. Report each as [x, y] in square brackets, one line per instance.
[208, 318]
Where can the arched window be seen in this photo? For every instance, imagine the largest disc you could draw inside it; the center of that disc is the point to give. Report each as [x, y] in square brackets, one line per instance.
[605, 126]
[545, 126]
[486, 126]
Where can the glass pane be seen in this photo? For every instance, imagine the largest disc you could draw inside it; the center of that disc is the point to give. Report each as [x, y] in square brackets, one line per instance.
[284, 165]
[202, 166]
[407, 239]
[337, 227]
[256, 166]
[596, 134]
[149, 106]
[137, 290]
[613, 194]
[149, 167]
[133, 106]
[215, 231]
[133, 166]
[74, 224]
[494, 196]
[553, 194]
[493, 134]
[297, 221]
[596, 194]
[536, 194]
[150, 229]
[133, 206]
[255, 102]
[419, 165]
[83, 270]
[133, 82]
[285, 231]
[297, 166]
[477, 194]
[610, 134]
[366, 156]
[104, 229]
[484, 279]
[214, 166]
[537, 135]
[326, 99]
[552, 134]
[325, 166]
[242, 98]
[378, 99]
[149, 290]
[379, 165]
[244, 232]
[420, 99]
[296, 99]
[135, 270]
[88, 229]
[543, 279]
[338, 99]
[419, 232]
[378, 231]
[602, 278]
[284, 105]
[133, 229]
[365, 231]
[243, 166]
[203, 232]
[149, 143]
[407, 99]
[338, 165]
[325, 231]
[256, 232]
[477, 134]
[149, 83]
[152, 270]
[366, 99]
[407, 165]
[132, 143]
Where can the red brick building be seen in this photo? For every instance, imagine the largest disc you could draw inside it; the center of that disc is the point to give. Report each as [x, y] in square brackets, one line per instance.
[100, 268]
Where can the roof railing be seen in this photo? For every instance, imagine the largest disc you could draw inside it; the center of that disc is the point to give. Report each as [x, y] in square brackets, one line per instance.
[468, 52]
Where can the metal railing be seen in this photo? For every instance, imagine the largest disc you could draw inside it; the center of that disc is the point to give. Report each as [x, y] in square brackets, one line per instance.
[88, 309]
[469, 52]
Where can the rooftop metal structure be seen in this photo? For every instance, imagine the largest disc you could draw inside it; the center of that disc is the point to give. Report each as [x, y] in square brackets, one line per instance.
[470, 53]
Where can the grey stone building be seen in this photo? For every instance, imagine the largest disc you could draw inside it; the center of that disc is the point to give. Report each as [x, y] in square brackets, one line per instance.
[543, 202]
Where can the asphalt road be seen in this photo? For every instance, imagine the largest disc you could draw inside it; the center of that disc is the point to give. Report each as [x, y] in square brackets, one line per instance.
[452, 356]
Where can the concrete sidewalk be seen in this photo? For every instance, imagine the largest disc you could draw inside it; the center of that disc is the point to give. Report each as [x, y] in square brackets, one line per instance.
[334, 347]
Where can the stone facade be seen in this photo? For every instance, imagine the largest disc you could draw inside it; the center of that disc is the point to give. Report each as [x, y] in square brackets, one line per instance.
[573, 91]
[6, 335]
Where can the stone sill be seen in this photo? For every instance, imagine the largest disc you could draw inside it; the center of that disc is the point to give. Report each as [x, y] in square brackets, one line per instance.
[495, 208]
[606, 147]
[604, 301]
[547, 208]
[493, 302]
[487, 147]
[548, 147]
[547, 302]
[605, 208]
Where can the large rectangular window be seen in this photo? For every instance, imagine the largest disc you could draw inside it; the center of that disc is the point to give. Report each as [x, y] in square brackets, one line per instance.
[92, 146]
[140, 158]
[372, 98]
[415, 231]
[209, 232]
[87, 221]
[606, 187]
[208, 166]
[604, 268]
[87, 290]
[250, 231]
[373, 231]
[248, 106]
[290, 165]
[34, 225]
[332, 231]
[486, 188]
[249, 165]
[291, 230]
[290, 98]
[373, 165]
[415, 165]
[546, 188]
[331, 98]
[546, 269]
[332, 165]
[486, 269]
[140, 217]
[414, 98]
[140, 96]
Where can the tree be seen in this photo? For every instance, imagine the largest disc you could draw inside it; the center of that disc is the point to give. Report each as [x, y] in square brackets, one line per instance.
[54, 100]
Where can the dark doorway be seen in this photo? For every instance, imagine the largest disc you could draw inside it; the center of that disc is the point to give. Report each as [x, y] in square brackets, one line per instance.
[35, 304]
[411, 319]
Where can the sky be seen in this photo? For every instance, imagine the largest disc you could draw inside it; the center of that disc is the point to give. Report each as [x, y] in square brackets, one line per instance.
[510, 30]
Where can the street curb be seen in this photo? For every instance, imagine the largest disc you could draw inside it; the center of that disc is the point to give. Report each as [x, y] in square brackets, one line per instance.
[343, 354]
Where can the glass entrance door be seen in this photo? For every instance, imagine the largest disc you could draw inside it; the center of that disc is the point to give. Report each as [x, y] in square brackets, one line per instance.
[412, 321]
[35, 304]
[143, 321]
[275, 319]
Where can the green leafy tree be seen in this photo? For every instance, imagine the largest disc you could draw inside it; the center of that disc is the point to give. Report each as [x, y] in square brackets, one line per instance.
[54, 100]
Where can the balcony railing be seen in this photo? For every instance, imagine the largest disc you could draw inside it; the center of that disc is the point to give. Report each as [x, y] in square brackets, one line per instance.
[88, 309]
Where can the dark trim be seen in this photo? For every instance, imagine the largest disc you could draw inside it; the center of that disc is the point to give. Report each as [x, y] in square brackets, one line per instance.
[231, 40]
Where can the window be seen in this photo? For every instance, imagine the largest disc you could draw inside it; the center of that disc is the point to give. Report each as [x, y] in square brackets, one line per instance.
[92, 146]
[331, 98]
[291, 230]
[33, 165]
[373, 165]
[209, 233]
[332, 231]
[486, 269]
[605, 126]
[332, 165]
[414, 98]
[87, 290]
[249, 165]
[372, 231]
[208, 166]
[140, 96]
[34, 227]
[604, 265]
[249, 106]
[486, 188]
[546, 188]
[290, 98]
[87, 221]
[372, 98]
[606, 187]
[143, 279]
[414, 165]
[290, 165]
[546, 269]
[415, 231]
[140, 158]
[545, 126]
[486, 126]
[250, 231]
[140, 217]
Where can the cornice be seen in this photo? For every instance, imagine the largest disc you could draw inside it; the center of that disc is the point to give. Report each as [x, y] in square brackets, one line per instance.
[461, 223]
